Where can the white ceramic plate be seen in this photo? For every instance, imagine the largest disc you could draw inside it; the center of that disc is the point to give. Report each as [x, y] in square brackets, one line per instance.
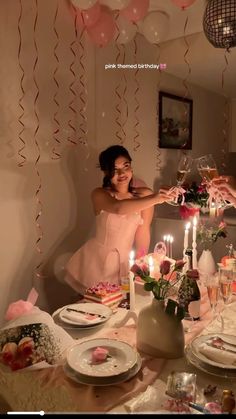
[201, 340]
[207, 368]
[122, 357]
[106, 380]
[101, 313]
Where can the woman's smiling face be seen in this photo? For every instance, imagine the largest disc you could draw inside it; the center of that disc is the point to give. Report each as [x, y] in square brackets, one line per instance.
[122, 172]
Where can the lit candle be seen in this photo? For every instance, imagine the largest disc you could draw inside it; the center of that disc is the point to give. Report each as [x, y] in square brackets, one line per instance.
[164, 239]
[212, 210]
[171, 244]
[151, 265]
[168, 245]
[131, 282]
[186, 233]
[194, 243]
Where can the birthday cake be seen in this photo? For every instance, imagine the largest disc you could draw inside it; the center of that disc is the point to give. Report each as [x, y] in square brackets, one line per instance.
[104, 293]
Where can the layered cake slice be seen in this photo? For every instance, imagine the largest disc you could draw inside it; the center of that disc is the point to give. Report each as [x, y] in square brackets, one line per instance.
[104, 293]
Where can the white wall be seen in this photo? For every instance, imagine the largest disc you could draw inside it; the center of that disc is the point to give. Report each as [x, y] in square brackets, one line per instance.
[54, 209]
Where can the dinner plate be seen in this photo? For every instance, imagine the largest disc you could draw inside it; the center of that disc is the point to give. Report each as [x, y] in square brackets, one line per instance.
[202, 340]
[105, 381]
[81, 314]
[122, 357]
[207, 368]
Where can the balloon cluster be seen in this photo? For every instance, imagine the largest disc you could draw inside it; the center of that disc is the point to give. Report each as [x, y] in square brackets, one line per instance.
[107, 20]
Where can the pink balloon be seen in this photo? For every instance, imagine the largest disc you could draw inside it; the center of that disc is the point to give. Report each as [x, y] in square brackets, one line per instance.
[91, 16]
[136, 10]
[183, 3]
[104, 29]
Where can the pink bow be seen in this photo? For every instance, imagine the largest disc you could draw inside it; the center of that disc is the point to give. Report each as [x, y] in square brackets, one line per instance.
[20, 307]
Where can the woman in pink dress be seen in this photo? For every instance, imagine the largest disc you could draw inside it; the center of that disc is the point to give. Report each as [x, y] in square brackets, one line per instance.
[123, 218]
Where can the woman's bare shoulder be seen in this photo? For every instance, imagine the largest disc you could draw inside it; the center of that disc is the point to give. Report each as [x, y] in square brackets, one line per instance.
[142, 191]
[100, 192]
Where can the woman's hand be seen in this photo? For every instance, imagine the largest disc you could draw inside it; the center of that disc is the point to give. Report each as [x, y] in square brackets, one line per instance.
[167, 194]
[224, 184]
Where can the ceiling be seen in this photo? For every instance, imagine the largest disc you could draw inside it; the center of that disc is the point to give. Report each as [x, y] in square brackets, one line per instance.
[207, 63]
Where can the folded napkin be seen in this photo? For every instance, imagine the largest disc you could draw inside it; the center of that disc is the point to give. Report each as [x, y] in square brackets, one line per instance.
[218, 355]
[151, 400]
[78, 317]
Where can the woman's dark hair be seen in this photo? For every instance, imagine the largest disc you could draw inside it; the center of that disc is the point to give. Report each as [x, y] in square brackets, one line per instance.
[107, 160]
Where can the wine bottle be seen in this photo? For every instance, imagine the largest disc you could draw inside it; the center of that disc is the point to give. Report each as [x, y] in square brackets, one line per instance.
[193, 291]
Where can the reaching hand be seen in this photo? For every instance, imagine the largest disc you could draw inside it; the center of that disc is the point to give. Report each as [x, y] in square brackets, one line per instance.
[223, 187]
[167, 194]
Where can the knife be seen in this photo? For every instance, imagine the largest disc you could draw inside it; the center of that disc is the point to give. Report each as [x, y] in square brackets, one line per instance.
[86, 312]
[222, 348]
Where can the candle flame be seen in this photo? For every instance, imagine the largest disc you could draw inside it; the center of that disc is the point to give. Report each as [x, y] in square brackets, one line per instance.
[150, 261]
[195, 221]
[171, 239]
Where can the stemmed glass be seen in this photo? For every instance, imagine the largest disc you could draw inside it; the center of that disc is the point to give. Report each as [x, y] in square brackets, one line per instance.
[184, 167]
[213, 290]
[207, 169]
[226, 280]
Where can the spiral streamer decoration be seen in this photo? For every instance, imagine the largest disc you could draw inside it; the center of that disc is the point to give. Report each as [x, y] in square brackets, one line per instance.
[137, 143]
[37, 194]
[187, 91]
[71, 124]
[225, 116]
[21, 117]
[55, 153]
[158, 151]
[117, 89]
[83, 99]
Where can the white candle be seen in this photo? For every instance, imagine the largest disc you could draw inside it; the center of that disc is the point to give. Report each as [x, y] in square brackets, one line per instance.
[131, 282]
[164, 239]
[168, 245]
[171, 246]
[194, 243]
[212, 210]
[151, 265]
[186, 234]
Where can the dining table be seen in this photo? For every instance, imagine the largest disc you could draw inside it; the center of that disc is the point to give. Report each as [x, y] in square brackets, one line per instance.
[50, 390]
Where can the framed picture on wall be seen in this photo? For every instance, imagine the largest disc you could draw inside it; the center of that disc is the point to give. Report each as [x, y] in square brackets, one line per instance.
[175, 121]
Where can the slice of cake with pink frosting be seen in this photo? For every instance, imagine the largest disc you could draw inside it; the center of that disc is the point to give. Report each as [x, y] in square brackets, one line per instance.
[104, 293]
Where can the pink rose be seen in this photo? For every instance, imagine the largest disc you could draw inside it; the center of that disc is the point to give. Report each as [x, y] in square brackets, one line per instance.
[193, 274]
[165, 267]
[99, 354]
[18, 308]
[145, 269]
[222, 225]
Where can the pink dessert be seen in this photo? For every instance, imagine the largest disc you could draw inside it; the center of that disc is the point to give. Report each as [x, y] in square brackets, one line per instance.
[104, 293]
[99, 355]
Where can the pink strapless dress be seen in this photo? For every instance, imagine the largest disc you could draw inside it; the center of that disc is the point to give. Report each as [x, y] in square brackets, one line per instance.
[104, 257]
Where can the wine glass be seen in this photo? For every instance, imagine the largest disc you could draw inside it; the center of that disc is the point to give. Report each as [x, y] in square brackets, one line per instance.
[226, 280]
[214, 293]
[207, 169]
[184, 167]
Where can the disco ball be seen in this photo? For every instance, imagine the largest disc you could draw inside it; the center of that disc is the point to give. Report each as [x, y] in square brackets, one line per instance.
[219, 23]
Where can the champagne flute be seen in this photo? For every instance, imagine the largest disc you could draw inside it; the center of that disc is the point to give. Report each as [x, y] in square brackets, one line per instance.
[207, 169]
[184, 167]
[226, 280]
[214, 294]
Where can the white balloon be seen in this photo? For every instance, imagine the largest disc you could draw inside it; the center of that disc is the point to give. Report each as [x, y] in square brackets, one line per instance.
[83, 4]
[126, 30]
[115, 4]
[156, 26]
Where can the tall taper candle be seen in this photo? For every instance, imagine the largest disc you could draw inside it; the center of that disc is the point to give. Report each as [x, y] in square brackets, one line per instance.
[131, 283]
[194, 243]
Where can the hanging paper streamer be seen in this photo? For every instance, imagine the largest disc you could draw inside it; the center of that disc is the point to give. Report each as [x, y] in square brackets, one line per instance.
[137, 143]
[187, 91]
[83, 99]
[71, 123]
[225, 116]
[158, 151]
[21, 117]
[126, 106]
[37, 194]
[119, 47]
[55, 152]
